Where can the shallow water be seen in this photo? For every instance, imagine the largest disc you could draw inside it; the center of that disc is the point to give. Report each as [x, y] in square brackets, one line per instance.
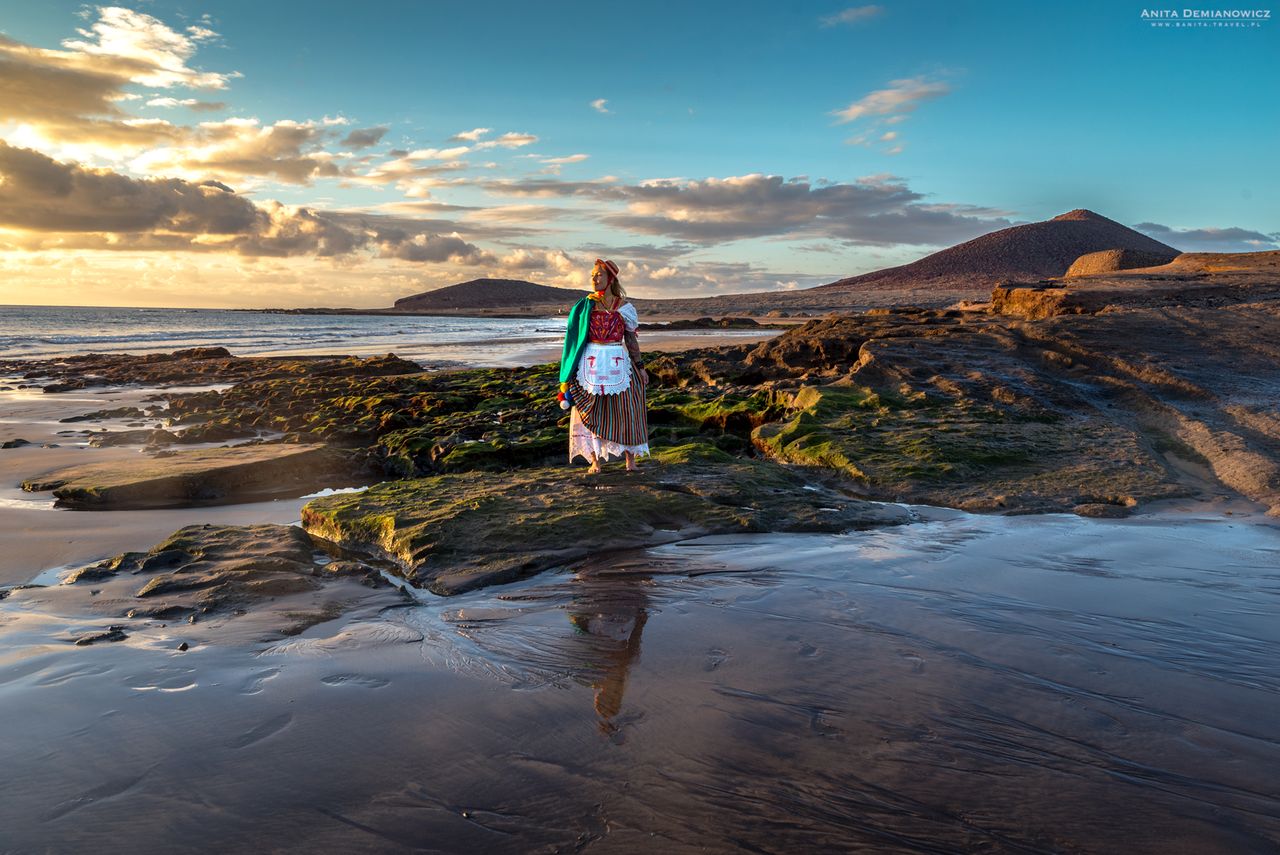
[993, 684]
[44, 331]
[41, 332]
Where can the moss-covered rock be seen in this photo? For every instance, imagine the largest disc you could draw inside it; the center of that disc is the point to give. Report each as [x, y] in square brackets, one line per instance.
[451, 533]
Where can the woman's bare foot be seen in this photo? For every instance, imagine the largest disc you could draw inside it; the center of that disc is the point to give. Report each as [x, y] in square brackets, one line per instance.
[631, 462]
[594, 468]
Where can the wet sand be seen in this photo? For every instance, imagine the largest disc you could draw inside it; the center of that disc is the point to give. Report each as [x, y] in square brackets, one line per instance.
[993, 684]
[39, 539]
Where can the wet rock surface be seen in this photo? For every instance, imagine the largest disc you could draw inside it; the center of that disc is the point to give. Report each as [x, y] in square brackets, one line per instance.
[452, 533]
[203, 570]
[209, 583]
[198, 476]
[193, 367]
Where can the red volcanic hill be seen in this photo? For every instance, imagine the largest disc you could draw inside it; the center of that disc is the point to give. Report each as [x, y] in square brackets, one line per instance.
[487, 294]
[1031, 251]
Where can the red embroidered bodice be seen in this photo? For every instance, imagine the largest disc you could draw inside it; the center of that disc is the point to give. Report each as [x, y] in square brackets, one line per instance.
[605, 327]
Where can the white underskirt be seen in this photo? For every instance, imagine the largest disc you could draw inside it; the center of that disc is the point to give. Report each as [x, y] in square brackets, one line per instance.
[585, 444]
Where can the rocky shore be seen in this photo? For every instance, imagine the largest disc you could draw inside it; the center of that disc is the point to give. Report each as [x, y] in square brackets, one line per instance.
[1095, 394]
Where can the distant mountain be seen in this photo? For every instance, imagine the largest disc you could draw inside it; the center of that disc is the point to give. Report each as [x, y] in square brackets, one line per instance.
[495, 294]
[1031, 251]
[965, 271]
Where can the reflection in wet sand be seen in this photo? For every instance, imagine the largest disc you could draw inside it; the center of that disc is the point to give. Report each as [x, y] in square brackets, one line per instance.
[613, 619]
[970, 684]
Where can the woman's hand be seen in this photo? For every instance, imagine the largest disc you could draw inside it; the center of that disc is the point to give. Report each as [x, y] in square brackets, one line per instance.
[644, 376]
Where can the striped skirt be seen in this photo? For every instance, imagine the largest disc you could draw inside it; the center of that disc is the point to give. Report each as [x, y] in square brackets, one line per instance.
[608, 425]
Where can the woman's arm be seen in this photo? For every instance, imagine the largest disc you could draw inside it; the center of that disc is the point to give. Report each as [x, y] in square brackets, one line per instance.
[633, 345]
[631, 321]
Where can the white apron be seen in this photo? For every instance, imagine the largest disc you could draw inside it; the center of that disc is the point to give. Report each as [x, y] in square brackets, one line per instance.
[604, 369]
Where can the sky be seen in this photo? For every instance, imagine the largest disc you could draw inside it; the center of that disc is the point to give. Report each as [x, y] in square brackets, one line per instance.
[287, 154]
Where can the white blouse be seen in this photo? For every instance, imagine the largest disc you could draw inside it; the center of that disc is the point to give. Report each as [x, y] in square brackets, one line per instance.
[630, 319]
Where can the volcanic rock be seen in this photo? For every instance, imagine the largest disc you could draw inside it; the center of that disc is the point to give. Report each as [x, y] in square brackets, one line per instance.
[453, 533]
[1111, 260]
[488, 293]
[198, 477]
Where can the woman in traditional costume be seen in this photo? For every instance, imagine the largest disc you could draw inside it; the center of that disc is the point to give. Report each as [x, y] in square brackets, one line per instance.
[602, 383]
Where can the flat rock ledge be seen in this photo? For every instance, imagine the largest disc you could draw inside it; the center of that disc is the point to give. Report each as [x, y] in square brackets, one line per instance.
[457, 532]
[198, 477]
[271, 580]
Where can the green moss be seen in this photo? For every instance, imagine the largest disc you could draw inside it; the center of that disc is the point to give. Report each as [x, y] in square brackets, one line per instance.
[457, 531]
[883, 440]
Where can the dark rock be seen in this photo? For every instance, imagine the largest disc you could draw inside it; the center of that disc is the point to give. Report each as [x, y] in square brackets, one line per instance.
[113, 633]
[452, 533]
[98, 415]
[148, 437]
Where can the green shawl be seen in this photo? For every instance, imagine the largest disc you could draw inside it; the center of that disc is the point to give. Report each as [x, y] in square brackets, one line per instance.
[575, 336]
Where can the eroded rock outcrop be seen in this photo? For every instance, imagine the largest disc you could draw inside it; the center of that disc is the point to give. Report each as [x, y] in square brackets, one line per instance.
[1111, 260]
[198, 477]
[268, 579]
[193, 366]
[452, 533]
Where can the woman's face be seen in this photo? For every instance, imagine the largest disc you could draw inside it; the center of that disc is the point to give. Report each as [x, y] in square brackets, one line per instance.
[599, 279]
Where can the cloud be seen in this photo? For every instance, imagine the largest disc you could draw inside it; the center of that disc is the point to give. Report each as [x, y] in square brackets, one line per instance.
[509, 140]
[55, 205]
[287, 151]
[522, 213]
[555, 164]
[657, 277]
[875, 210]
[470, 136]
[901, 97]
[40, 194]
[852, 15]
[889, 106]
[189, 103]
[548, 187]
[437, 248]
[411, 177]
[599, 105]
[61, 94]
[572, 158]
[438, 153]
[68, 99]
[364, 137]
[1231, 239]
[158, 53]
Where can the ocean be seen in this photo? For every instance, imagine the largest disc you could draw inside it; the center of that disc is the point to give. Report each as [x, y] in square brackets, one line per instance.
[29, 332]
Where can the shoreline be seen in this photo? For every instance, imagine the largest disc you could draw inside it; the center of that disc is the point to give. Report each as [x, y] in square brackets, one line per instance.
[58, 538]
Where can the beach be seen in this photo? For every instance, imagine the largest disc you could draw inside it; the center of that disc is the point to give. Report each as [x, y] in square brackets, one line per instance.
[965, 683]
[949, 682]
[785, 429]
